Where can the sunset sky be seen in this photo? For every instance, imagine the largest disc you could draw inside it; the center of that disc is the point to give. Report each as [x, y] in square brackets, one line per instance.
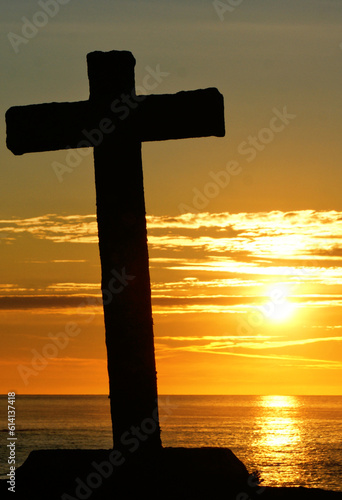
[244, 232]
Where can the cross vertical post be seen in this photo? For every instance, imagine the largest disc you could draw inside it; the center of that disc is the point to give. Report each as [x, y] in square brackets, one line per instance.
[124, 256]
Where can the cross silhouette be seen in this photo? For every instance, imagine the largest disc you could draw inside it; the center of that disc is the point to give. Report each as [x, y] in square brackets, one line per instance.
[121, 209]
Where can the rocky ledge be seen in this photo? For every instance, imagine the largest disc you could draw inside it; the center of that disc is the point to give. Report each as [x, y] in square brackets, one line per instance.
[172, 473]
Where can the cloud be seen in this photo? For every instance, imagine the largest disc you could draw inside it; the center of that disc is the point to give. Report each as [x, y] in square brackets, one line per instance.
[57, 228]
[288, 235]
[248, 341]
[52, 302]
[226, 345]
[202, 262]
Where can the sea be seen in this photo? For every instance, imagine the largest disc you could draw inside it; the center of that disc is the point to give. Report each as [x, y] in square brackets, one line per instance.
[289, 440]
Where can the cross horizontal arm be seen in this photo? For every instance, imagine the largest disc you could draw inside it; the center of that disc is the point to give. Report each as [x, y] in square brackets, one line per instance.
[196, 113]
[47, 127]
[54, 126]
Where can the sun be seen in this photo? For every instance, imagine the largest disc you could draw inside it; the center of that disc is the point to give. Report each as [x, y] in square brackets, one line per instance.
[278, 309]
[282, 312]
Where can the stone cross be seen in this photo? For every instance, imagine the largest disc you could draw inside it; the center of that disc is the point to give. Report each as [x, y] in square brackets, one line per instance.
[115, 121]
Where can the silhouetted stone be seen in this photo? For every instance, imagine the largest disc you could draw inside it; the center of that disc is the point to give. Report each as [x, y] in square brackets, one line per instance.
[54, 126]
[171, 473]
[115, 121]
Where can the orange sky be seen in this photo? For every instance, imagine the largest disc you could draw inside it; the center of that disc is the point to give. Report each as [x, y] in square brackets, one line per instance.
[244, 231]
[242, 303]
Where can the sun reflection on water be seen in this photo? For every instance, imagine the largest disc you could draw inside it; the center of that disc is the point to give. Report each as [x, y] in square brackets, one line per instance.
[277, 434]
[279, 402]
[278, 428]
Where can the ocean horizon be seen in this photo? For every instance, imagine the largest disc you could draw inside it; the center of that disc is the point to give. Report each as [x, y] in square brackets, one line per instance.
[289, 440]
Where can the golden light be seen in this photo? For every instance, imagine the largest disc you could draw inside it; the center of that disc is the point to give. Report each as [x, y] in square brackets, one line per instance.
[279, 428]
[278, 401]
[282, 312]
[278, 308]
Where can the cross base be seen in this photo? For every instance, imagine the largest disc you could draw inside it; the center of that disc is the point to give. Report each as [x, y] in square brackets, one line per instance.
[173, 473]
